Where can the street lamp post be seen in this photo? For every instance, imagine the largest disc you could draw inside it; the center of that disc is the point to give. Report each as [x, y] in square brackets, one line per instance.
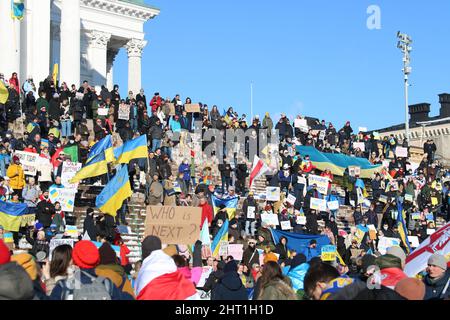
[404, 45]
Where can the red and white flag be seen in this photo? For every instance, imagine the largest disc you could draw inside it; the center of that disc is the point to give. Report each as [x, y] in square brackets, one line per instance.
[259, 168]
[438, 242]
[159, 279]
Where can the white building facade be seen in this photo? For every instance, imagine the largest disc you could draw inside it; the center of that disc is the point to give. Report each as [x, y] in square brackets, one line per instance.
[82, 36]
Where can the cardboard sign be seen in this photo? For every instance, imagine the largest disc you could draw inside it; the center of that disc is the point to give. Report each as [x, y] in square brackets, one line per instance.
[328, 253]
[72, 231]
[301, 124]
[124, 112]
[401, 152]
[291, 199]
[273, 194]
[408, 197]
[66, 197]
[192, 108]
[321, 182]
[413, 241]
[359, 145]
[59, 242]
[102, 111]
[270, 218]
[173, 225]
[172, 109]
[354, 171]
[372, 232]
[384, 243]
[333, 205]
[251, 212]
[69, 170]
[318, 204]
[29, 162]
[236, 251]
[285, 225]
[301, 220]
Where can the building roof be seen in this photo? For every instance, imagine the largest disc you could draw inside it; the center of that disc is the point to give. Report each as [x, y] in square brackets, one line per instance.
[139, 3]
[432, 121]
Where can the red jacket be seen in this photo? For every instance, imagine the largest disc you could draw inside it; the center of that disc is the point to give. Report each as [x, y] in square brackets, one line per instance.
[207, 213]
[123, 255]
[155, 103]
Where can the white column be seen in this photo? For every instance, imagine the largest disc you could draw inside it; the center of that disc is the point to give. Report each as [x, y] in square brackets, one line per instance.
[70, 42]
[111, 56]
[135, 48]
[10, 39]
[97, 53]
[40, 55]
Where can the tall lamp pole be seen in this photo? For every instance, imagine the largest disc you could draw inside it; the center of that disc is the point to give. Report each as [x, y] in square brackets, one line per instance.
[404, 45]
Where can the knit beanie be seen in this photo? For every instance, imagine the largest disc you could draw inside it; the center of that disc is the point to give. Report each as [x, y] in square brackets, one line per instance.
[270, 257]
[107, 254]
[411, 289]
[398, 252]
[27, 262]
[5, 255]
[150, 244]
[85, 255]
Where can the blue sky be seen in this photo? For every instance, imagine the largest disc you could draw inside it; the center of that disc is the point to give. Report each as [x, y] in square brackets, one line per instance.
[315, 58]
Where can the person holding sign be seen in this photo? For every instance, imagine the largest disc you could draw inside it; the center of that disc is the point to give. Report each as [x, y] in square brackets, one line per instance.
[16, 175]
[249, 209]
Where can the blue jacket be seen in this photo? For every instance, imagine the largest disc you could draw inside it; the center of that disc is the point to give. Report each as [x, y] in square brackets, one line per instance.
[186, 169]
[175, 126]
[297, 275]
[310, 253]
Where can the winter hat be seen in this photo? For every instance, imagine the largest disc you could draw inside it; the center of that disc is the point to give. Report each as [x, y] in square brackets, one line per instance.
[26, 261]
[38, 226]
[171, 250]
[270, 257]
[438, 260]
[398, 252]
[107, 254]
[85, 255]
[150, 244]
[5, 255]
[231, 267]
[16, 158]
[411, 289]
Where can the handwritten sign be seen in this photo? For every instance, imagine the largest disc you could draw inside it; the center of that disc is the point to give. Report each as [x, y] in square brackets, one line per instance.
[359, 145]
[333, 205]
[285, 225]
[29, 162]
[173, 225]
[291, 199]
[415, 215]
[171, 108]
[301, 124]
[124, 112]
[301, 220]
[318, 204]
[328, 253]
[66, 197]
[71, 231]
[236, 251]
[414, 241]
[385, 242]
[251, 212]
[401, 152]
[69, 170]
[270, 218]
[408, 197]
[354, 171]
[59, 242]
[192, 108]
[321, 182]
[273, 194]
[102, 111]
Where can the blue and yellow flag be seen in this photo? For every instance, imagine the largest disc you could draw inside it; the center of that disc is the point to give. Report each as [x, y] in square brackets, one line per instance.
[222, 235]
[17, 9]
[401, 225]
[11, 215]
[96, 167]
[115, 192]
[105, 145]
[133, 149]
[4, 93]
[230, 205]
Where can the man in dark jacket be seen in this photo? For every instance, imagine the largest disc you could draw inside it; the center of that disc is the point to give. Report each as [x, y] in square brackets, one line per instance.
[437, 280]
[45, 210]
[250, 255]
[89, 225]
[214, 277]
[250, 209]
[230, 286]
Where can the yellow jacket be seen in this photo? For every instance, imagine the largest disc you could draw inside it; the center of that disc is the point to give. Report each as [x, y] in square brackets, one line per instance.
[15, 173]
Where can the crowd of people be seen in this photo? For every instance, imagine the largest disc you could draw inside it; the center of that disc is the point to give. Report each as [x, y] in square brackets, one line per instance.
[47, 119]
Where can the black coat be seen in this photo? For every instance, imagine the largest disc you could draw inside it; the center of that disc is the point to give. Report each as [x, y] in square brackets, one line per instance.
[433, 291]
[89, 227]
[44, 212]
[230, 287]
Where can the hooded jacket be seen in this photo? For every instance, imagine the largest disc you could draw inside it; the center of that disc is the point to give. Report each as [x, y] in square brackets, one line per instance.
[230, 287]
[15, 283]
[434, 288]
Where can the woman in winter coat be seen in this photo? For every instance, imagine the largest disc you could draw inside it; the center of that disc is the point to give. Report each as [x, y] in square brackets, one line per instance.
[273, 285]
[281, 249]
[250, 255]
[59, 268]
[230, 286]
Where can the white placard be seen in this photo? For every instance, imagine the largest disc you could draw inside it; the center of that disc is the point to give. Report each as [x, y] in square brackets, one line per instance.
[59, 242]
[430, 231]
[385, 242]
[333, 205]
[66, 197]
[413, 241]
[273, 194]
[124, 112]
[69, 170]
[29, 162]
[401, 152]
[285, 225]
[102, 111]
[270, 219]
[359, 145]
[251, 212]
[301, 220]
[318, 204]
[291, 199]
[301, 124]
[321, 182]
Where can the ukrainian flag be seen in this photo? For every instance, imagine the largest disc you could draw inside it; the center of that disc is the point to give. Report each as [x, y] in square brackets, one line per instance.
[222, 235]
[105, 145]
[11, 215]
[17, 9]
[96, 167]
[133, 149]
[115, 192]
[401, 225]
[230, 205]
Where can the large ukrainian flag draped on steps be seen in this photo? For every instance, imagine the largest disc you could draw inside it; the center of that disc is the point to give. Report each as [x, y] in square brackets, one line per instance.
[115, 192]
[230, 205]
[94, 168]
[222, 235]
[133, 149]
[11, 215]
[105, 145]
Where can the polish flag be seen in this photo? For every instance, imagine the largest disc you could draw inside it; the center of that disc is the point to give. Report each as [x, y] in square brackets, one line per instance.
[438, 242]
[159, 279]
[259, 168]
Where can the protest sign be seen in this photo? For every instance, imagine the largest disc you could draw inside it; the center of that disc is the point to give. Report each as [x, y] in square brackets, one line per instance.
[192, 108]
[206, 271]
[333, 205]
[408, 197]
[206, 251]
[251, 212]
[434, 201]
[359, 234]
[401, 152]
[328, 253]
[102, 111]
[270, 219]
[124, 112]
[415, 215]
[321, 182]
[285, 225]
[69, 170]
[173, 225]
[171, 108]
[362, 129]
[359, 145]
[372, 232]
[29, 162]
[291, 199]
[354, 171]
[301, 220]
[8, 237]
[385, 242]
[236, 251]
[273, 194]
[301, 124]
[59, 242]
[66, 197]
[430, 231]
[223, 248]
[413, 241]
[44, 143]
[71, 231]
[383, 199]
[322, 135]
[318, 204]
